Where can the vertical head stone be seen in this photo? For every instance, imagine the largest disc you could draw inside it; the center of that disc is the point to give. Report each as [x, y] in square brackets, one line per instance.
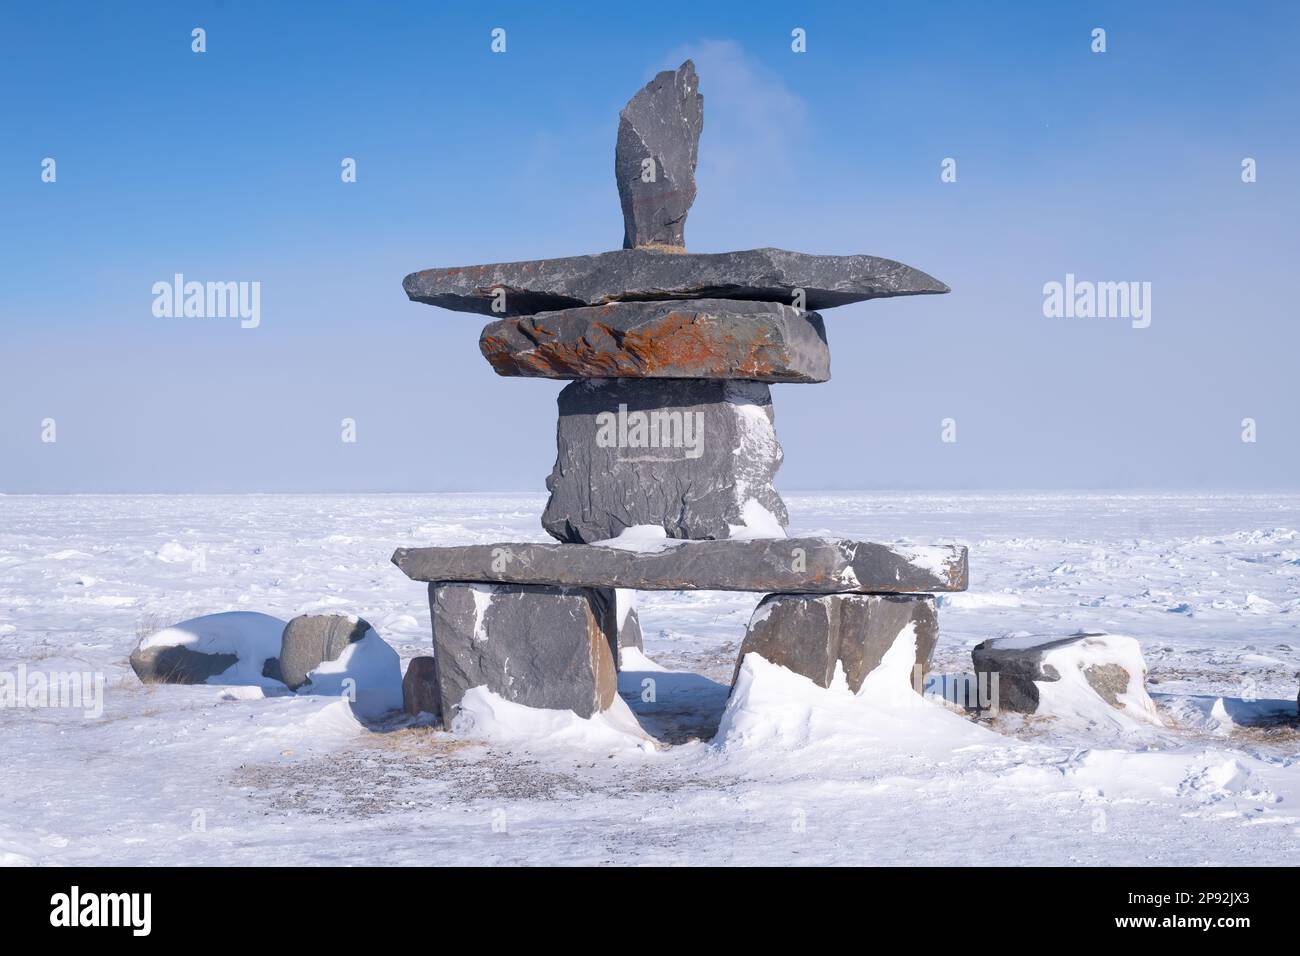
[654, 159]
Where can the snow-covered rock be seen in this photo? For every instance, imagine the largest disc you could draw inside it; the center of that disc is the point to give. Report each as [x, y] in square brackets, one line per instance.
[1084, 676]
[227, 648]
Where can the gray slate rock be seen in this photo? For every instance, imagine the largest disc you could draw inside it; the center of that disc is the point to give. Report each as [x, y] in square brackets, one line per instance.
[629, 275]
[689, 338]
[694, 457]
[537, 646]
[1019, 664]
[627, 634]
[178, 664]
[659, 140]
[311, 639]
[812, 634]
[420, 688]
[788, 565]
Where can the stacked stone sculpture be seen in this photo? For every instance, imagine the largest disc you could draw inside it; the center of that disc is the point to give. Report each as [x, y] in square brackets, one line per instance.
[667, 424]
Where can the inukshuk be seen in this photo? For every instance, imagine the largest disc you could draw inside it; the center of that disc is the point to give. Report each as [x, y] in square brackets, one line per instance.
[667, 424]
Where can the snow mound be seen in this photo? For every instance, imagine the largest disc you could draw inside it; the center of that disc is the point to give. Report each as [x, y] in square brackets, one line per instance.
[368, 669]
[1224, 715]
[174, 552]
[634, 659]
[249, 635]
[489, 716]
[773, 708]
[337, 720]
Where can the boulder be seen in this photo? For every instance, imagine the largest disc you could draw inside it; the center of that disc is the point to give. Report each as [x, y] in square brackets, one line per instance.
[420, 688]
[629, 275]
[693, 457]
[814, 635]
[1062, 675]
[546, 647]
[800, 565]
[689, 338]
[311, 639]
[178, 665]
[233, 647]
[654, 158]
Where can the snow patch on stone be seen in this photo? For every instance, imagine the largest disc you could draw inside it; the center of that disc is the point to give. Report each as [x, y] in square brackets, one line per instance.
[643, 538]
[1073, 697]
[758, 522]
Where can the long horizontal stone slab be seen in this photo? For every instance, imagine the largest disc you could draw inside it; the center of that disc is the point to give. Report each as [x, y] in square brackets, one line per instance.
[677, 338]
[625, 275]
[790, 565]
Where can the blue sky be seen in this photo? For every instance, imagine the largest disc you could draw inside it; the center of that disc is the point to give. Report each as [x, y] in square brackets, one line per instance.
[1121, 166]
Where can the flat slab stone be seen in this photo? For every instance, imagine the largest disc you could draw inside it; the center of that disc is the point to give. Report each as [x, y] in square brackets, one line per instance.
[654, 158]
[694, 457]
[790, 565]
[690, 338]
[546, 647]
[630, 275]
[816, 635]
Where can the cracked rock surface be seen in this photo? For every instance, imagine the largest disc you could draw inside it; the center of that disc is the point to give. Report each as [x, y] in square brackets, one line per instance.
[691, 456]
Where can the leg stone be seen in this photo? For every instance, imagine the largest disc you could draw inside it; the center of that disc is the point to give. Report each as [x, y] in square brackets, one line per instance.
[812, 634]
[539, 646]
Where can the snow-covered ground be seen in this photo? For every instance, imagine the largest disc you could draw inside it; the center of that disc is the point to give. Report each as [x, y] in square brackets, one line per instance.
[1210, 586]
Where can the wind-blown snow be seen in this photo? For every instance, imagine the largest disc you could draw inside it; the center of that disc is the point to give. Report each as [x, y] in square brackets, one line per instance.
[1073, 698]
[485, 715]
[368, 670]
[1209, 586]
